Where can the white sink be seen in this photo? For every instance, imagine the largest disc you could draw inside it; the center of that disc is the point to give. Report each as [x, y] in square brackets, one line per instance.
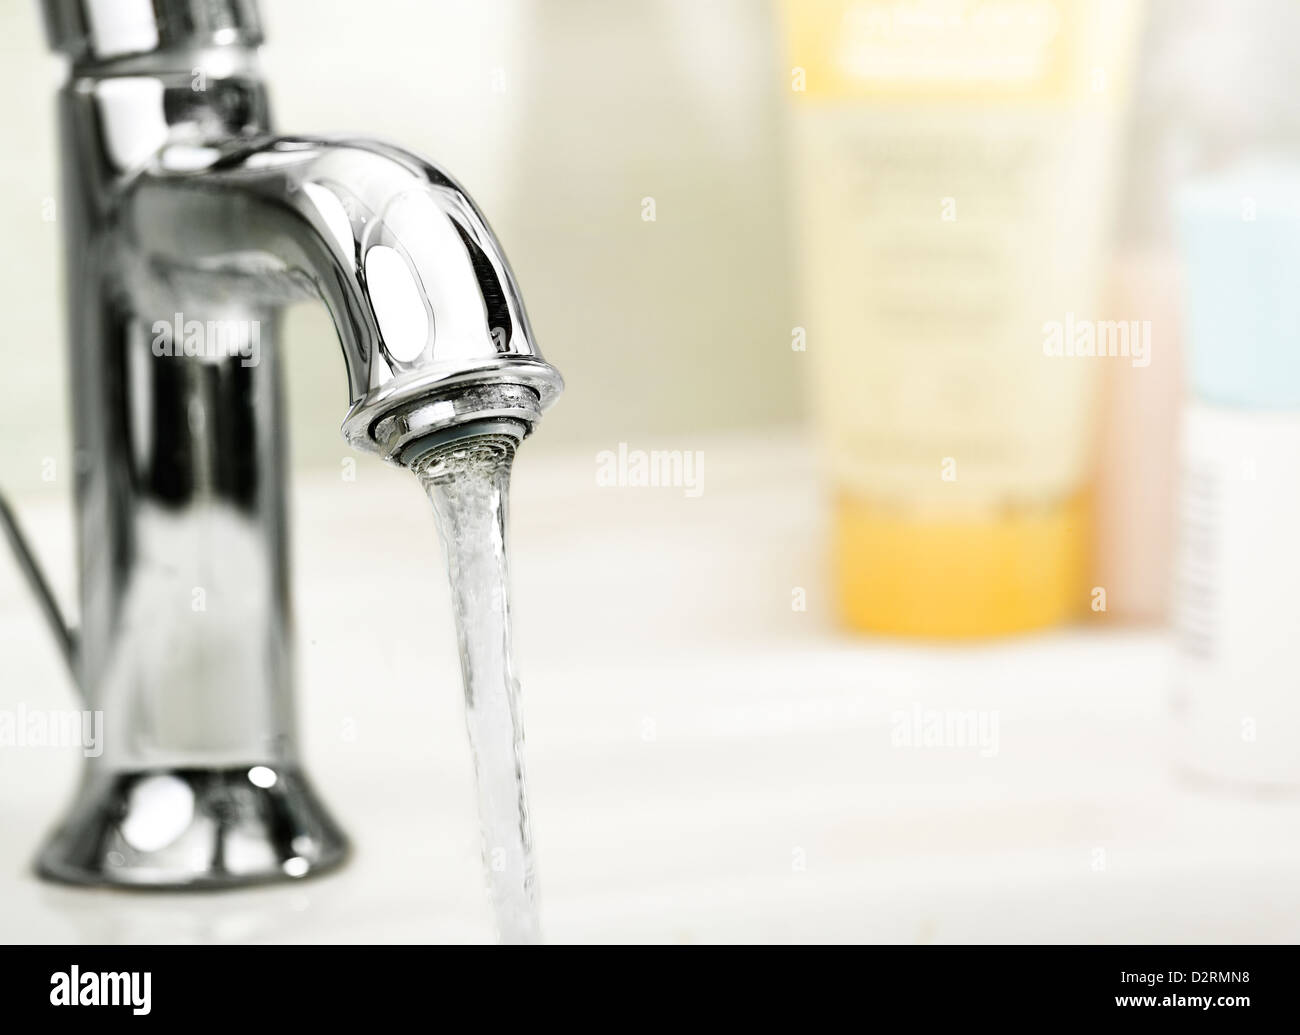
[707, 764]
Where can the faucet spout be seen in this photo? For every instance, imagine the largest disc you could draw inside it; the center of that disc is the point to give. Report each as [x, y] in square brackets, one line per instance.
[432, 327]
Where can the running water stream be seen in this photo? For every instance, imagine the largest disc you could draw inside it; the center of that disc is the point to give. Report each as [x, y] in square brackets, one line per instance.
[468, 484]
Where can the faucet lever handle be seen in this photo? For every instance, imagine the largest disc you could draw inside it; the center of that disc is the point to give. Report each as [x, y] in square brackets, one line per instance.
[101, 30]
[64, 634]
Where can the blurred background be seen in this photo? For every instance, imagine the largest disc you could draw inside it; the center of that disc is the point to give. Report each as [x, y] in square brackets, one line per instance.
[912, 555]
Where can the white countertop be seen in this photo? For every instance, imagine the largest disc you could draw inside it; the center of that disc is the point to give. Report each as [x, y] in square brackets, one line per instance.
[706, 764]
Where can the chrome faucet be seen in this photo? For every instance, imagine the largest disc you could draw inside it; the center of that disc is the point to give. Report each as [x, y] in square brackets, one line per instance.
[188, 226]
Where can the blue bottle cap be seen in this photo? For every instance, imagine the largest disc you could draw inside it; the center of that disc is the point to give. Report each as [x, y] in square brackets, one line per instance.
[1240, 238]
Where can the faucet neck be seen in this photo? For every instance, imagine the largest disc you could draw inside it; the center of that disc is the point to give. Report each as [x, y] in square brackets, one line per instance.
[92, 32]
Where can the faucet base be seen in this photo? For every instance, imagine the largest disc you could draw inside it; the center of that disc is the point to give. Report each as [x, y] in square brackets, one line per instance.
[189, 829]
